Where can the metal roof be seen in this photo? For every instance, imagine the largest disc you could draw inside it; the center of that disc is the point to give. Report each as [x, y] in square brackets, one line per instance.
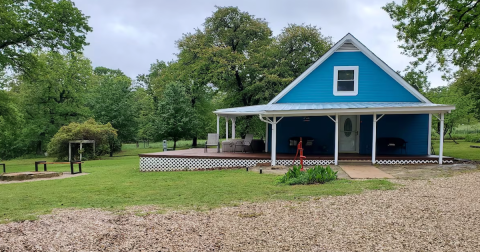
[336, 107]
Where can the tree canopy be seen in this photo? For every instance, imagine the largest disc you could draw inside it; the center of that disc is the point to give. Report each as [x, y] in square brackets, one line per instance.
[29, 25]
[439, 33]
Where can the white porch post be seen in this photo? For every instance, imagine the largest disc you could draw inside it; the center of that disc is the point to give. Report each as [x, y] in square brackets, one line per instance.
[429, 134]
[233, 128]
[374, 138]
[440, 157]
[266, 137]
[226, 128]
[336, 138]
[274, 141]
[218, 124]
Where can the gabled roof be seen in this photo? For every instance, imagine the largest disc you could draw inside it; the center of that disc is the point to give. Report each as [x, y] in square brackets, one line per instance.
[350, 43]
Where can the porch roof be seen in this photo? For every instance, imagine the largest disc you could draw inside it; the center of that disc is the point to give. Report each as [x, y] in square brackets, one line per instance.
[351, 108]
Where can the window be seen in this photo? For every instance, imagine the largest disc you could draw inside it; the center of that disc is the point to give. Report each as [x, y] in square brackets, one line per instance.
[345, 81]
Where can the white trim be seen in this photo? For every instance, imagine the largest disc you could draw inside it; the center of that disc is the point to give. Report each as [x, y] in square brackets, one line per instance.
[429, 134]
[226, 128]
[351, 39]
[374, 138]
[440, 151]
[337, 119]
[233, 127]
[274, 142]
[266, 137]
[218, 125]
[335, 81]
[353, 111]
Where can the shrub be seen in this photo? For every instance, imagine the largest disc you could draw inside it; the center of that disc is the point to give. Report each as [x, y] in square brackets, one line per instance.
[105, 137]
[474, 138]
[317, 174]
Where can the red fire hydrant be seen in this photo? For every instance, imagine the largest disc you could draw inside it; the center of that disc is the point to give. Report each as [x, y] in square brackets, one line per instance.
[299, 151]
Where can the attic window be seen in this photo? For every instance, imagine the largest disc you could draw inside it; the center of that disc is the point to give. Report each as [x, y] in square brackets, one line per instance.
[345, 80]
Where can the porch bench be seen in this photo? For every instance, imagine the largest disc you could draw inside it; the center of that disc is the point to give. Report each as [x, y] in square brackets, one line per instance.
[389, 143]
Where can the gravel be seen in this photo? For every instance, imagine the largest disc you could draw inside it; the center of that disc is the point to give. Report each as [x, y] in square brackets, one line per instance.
[440, 214]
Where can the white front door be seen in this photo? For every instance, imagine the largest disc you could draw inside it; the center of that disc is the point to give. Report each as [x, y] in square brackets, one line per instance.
[348, 132]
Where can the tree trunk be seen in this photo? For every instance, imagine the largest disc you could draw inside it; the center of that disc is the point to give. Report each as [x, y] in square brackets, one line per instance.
[111, 150]
[194, 142]
[174, 143]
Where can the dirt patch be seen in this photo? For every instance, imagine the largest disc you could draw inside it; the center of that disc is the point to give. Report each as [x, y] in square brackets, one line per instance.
[59, 175]
[18, 176]
[424, 215]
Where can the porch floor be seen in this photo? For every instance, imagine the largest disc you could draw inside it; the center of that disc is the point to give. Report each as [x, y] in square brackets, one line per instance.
[212, 154]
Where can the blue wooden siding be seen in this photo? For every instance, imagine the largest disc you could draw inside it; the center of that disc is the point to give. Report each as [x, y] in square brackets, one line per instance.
[374, 85]
[412, 128]
[321, 128]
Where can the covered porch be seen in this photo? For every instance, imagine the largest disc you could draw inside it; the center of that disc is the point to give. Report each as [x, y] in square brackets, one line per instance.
[374, 131]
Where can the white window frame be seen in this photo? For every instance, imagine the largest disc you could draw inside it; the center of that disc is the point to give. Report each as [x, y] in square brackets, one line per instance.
[355, 81]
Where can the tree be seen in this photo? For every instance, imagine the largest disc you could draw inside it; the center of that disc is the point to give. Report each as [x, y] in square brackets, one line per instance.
[112, 101]
[103, 134]
[463, 106]
[145, 109]
[53, 95]
[27, 25]
[292, 52]
[417, 79]
[174, 114]
[468, 83]
[448, 30]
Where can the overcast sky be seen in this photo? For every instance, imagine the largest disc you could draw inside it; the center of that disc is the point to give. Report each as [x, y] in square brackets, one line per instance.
[132, 34]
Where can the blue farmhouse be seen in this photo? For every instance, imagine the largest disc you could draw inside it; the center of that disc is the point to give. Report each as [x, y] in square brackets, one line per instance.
[348, 102]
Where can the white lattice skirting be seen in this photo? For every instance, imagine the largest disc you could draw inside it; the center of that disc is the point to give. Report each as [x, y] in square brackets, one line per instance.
[183, 164]
[403, 162]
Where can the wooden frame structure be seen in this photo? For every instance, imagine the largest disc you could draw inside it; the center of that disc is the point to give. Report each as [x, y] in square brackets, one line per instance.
[81, 142]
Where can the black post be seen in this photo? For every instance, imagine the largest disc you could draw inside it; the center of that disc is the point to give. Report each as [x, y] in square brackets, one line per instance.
[3, 168]
[45, 166]
[36, 166]
[80, 167]
[71, 167]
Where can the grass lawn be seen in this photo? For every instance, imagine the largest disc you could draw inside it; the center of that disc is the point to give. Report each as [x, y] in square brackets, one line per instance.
[115, 183]
[460, 150]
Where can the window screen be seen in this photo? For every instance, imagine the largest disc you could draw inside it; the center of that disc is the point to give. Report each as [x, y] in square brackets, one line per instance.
[346, 80]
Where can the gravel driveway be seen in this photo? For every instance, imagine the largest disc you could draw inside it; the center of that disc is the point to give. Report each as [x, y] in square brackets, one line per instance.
[440, 214]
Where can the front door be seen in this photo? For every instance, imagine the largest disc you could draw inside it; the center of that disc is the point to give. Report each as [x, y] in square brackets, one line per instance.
[348, 132]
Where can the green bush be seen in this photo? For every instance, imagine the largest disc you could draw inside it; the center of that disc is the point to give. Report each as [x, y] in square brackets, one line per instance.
[105, 137]
[474, 138]
[317, 174]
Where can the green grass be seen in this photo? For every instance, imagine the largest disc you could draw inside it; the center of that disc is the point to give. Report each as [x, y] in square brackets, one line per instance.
[460, 150]
[115, 183]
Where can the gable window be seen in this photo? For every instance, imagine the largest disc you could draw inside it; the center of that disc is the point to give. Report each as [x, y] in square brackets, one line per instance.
[345, 80]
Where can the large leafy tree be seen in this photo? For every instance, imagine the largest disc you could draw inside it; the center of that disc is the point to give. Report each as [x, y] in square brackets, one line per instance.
[446, 30]
[468, 83]
[464, 103]
[26, 25]
[294, 50]
[53, 95]
[174, 114]
[112, 101]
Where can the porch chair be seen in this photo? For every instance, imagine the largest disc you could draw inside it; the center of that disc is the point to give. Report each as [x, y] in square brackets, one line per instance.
[212, 140]
[247, 142]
